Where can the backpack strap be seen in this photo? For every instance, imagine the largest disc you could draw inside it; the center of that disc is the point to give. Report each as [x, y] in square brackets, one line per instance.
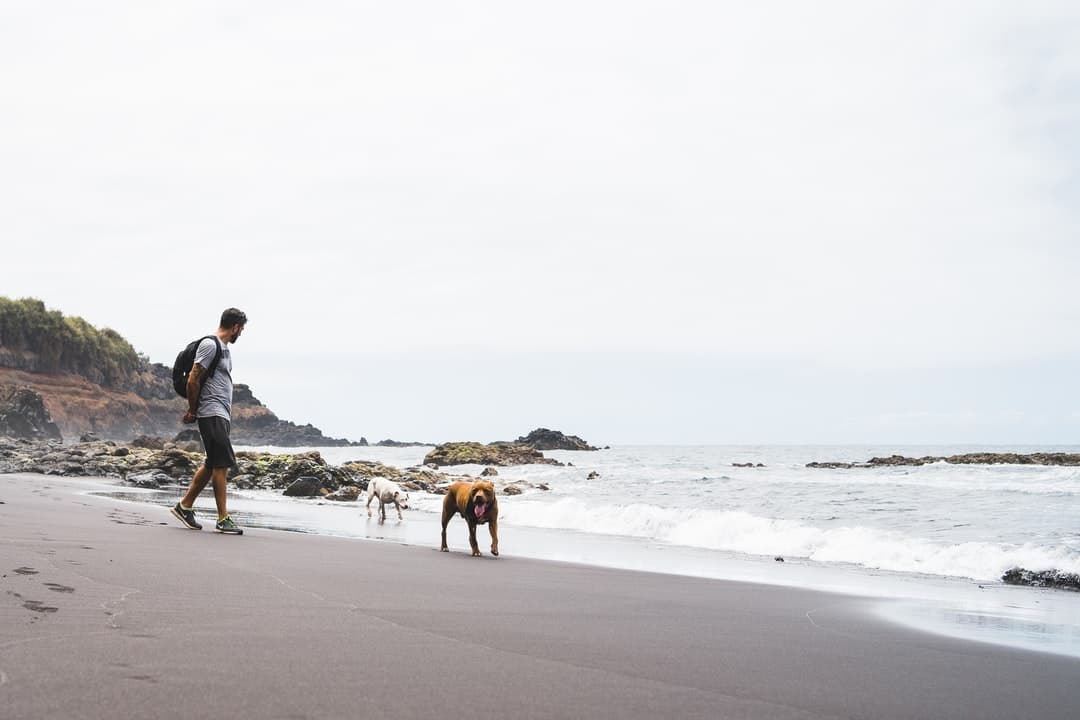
[217, 355]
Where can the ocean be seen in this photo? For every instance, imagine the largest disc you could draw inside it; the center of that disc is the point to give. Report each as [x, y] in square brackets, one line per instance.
[933, 539]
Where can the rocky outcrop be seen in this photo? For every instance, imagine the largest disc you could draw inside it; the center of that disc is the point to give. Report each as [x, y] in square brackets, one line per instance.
[255, 424]
[23, 414]
[101, 458]
[495, 454]
[544, 439]
[474, 453]
[308, 474]
[148, 465]
[172, 465]
[1042, 578]
[401, 444]
[1065, 459]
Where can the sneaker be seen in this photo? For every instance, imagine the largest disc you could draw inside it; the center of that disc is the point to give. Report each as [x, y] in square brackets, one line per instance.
[185, 516]
[228, 527]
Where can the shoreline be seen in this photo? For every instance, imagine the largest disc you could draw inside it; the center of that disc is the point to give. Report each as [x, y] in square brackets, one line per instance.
[1037, 619]
[112, 608]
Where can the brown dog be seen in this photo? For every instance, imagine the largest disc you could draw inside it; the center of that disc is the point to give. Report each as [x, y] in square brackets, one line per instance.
[477, 504]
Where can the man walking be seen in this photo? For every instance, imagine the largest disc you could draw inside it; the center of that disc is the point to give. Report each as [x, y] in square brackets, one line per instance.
[209, 396]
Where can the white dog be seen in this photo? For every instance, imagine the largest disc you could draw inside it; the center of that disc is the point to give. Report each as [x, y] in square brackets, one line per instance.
[387, 492]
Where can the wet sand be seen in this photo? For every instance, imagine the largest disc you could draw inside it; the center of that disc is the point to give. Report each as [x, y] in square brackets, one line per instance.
[112, 609]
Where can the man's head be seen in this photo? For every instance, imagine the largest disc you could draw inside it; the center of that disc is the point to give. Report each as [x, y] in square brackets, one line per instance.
[233, 321]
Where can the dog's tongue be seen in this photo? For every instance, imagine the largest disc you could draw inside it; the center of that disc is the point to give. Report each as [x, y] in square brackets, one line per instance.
[479, 510]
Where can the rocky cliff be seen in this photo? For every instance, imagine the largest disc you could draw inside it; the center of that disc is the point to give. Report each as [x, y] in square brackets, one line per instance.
[60, 374]
[544, 439]
[73, 406]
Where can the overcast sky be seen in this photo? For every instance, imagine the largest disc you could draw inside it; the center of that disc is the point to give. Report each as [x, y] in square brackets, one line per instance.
[671, 222]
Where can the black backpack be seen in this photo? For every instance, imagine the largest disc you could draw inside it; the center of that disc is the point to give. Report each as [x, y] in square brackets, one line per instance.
[186, 359]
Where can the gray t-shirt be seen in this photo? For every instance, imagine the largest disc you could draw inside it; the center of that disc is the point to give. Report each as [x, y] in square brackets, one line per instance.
[216, 396]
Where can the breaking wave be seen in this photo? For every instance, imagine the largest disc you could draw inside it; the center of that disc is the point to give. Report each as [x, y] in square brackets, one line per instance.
[741, 532]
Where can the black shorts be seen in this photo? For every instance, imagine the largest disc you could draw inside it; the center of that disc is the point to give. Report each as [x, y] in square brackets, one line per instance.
[215, 438]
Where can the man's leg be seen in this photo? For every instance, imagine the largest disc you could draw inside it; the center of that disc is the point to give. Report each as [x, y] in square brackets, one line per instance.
[182, 511]
[225, 523]
[218, 476]
[198, 483]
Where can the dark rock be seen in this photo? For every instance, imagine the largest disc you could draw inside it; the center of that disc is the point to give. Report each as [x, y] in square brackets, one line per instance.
[89, 437]
[489, 472]
[593, 475]
[1062, 459]
[512, 490]
[151, 468]
[779, 558]
[544, 439]
[148, 442]
[399, 444]
[894, 460]
[305, 486]
[425, 480]
[348, 493]
[243, 481]
[148, 479]
[23, 414]
[473, 453]
[178, 463]
[1042, 578]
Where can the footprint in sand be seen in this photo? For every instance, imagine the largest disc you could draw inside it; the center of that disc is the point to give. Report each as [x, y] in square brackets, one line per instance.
[56, 587]
[39, 607]
[26, 571]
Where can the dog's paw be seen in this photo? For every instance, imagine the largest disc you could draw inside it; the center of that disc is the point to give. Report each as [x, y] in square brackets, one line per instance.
[444, 549]
[494, 552]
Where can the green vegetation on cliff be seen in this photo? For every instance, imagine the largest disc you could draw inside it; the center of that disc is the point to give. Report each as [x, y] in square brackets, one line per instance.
[40, 340]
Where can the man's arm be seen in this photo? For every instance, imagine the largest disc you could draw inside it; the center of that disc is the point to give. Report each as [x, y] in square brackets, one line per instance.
[194, 388]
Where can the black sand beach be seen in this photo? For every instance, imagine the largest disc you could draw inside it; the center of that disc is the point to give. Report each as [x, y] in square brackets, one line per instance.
[112, 609]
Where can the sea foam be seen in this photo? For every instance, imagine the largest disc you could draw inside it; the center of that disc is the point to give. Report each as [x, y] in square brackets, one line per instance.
[742, 532]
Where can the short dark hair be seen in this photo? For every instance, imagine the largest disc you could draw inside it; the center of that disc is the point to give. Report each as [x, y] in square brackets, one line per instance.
[231, 317]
